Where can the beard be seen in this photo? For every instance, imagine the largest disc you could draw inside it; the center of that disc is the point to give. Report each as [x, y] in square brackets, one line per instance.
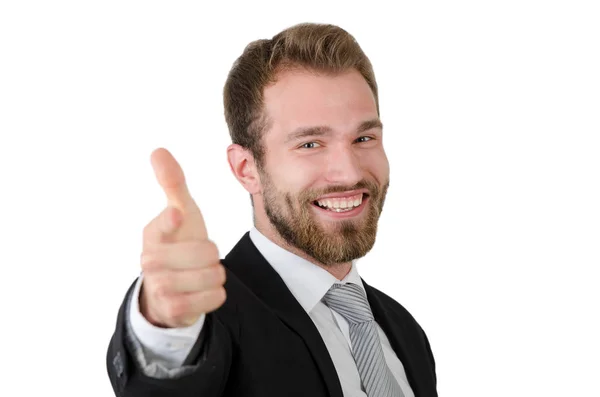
[298, 225]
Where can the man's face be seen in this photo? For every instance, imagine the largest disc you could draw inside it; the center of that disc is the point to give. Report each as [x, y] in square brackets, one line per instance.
[325, 173]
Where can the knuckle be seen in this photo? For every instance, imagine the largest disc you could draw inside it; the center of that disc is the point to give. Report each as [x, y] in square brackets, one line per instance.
[163, 284]
[220, 296]
[214, 299]
[176, 308]
[210, 250]
[203, 252]
[222, 293]
[149, 261]
[212, 277]
[196, 248]
[146, 260]
[147, 231]
[220, 275]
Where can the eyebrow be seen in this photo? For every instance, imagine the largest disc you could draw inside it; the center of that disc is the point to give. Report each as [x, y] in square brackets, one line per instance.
[304, 132]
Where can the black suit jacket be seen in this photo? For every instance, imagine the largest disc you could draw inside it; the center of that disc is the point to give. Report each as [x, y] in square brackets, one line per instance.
[261, 342]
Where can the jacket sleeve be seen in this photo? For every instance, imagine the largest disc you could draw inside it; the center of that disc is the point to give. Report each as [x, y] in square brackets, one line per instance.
[159, 351]
[431, 358]
[204, 372]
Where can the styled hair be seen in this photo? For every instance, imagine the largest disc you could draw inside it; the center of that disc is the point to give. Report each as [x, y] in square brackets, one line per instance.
[322, 48]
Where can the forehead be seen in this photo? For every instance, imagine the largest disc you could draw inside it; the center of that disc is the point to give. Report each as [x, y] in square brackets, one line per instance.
[301, 98]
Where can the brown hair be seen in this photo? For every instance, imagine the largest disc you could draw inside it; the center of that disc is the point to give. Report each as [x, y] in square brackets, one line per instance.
[323, 48]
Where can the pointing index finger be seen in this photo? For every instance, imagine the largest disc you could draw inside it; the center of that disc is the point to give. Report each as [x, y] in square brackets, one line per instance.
[171, 178]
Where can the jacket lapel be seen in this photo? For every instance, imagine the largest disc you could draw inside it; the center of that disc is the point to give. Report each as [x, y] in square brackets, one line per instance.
[247, 263]
[393, 326]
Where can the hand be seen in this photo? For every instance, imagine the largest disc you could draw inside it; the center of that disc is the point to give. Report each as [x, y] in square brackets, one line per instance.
[183, 276]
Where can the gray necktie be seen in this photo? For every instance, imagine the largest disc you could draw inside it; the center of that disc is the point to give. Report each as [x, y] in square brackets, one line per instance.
[350, 301]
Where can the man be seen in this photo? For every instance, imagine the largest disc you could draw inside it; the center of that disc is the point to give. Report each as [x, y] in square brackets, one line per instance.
[285, 313]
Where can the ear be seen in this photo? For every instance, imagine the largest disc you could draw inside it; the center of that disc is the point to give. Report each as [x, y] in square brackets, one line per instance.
[243, 167]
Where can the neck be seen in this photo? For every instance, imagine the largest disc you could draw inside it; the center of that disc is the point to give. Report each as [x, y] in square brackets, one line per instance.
[338, 270]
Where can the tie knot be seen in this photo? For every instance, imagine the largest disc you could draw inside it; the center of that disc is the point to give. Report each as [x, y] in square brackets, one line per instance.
[350, 301]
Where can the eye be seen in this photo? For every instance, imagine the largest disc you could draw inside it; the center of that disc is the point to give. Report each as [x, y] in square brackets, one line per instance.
[364, 139]
[309, 145]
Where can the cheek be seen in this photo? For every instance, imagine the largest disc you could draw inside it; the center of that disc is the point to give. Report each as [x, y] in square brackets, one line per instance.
[295, 175]
[376, 162]
[384, 166]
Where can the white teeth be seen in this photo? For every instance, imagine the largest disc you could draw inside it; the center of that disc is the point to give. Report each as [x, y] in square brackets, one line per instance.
[341, 204]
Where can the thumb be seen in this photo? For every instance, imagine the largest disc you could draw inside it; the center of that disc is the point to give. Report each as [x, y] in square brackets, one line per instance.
[171, 178]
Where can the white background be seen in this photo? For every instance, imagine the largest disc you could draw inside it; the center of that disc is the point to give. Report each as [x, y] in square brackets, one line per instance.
[490, 235]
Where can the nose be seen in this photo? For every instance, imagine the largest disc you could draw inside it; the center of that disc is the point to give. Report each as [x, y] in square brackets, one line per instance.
[342, 166]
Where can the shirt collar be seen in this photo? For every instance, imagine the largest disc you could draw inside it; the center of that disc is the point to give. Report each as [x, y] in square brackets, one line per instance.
[305, 280]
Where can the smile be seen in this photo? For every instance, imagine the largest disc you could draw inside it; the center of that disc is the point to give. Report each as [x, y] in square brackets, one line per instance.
[344, 206]
[340, 204]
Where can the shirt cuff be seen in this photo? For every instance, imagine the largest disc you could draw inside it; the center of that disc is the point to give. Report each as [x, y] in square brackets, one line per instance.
[169, 346]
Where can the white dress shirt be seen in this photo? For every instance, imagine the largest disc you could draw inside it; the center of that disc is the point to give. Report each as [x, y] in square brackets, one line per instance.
[308, 283]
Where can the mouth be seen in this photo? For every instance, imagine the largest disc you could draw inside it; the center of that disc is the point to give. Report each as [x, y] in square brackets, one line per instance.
[342, 206]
